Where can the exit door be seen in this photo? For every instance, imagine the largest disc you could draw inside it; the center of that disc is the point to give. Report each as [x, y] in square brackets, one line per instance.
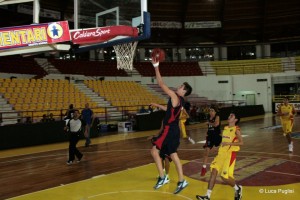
[250, 99]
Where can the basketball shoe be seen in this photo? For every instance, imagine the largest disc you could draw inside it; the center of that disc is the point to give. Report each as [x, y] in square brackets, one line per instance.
[191, 140]
[238, 193]
[161, 182]
[180, 186]
[291, 147]
[79, 158]
[202, 197]
[69, 162]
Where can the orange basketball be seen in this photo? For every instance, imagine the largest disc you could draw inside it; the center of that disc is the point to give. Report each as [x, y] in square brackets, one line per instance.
[158, 54]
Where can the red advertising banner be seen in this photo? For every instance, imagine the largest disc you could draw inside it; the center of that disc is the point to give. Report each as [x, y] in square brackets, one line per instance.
[101, 34]
[36, 34]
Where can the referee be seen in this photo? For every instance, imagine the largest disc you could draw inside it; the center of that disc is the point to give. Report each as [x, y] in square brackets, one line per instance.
[74, 128]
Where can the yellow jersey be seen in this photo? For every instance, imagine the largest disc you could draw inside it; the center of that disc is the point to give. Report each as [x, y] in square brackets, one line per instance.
[286, 109]
[229, 135]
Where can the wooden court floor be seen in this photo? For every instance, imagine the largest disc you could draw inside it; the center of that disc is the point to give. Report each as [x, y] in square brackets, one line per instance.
[119, 166]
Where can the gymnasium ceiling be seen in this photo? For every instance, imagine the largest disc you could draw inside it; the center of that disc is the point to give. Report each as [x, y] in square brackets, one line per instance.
[242, 21]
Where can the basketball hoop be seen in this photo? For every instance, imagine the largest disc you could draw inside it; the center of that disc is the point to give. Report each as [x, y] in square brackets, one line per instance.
[125, 53]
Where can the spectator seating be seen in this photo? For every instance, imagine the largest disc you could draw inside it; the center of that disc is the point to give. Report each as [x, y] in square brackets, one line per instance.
[256, 66]
[297, 63]
[42, 95]
[88, 68]
[193, 98]
[19, 65]
[124, 93]
[170, 69]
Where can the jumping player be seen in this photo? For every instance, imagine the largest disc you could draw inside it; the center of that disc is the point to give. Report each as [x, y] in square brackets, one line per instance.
[213, 137]
[165, 161]
[224, 162]
[286, 112]
[168, 141]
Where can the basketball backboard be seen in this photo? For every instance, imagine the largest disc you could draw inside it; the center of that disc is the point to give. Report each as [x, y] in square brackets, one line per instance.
[100, 13]
[106, 13]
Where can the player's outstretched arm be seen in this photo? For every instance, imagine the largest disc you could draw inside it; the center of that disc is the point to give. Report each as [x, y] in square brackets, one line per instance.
[159, 106]
[162, 85]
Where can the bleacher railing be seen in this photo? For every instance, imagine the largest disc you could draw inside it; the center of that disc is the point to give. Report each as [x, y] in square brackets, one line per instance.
[250, 66]
[292, 98]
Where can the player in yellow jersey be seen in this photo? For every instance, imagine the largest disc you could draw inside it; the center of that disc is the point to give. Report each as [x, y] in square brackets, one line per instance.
[224, 162]
[286, 112]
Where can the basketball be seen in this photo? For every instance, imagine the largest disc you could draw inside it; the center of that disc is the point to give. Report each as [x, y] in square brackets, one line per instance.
[158, 55]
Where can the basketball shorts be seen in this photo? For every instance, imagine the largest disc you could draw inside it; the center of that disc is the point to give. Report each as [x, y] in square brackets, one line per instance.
[213, 139]
[168, 141]
[224, 163]
[287, 126]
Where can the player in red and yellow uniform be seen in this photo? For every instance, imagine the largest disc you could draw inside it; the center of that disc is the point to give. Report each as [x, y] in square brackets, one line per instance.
[286, 112]
[224, 162]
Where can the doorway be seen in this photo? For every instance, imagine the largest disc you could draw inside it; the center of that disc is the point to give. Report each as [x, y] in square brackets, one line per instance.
[250, 99]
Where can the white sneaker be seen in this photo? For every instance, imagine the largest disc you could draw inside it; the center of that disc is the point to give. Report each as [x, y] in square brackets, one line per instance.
[238, 193]
[167, 180]
[181, 186]
[191, 140]
[161, 182]
[291, 147]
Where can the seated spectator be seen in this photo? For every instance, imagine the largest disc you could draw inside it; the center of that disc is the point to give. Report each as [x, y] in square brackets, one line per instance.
[44, 119]
[51, 119]
[28, 120]
[150, 109]
[187, 107]
[70, 112]
[193, 113]
[19, 121]
[143, 110]
[199, 113]
[156, 109]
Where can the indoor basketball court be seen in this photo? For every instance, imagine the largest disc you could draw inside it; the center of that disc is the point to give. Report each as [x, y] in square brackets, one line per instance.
[120, 166]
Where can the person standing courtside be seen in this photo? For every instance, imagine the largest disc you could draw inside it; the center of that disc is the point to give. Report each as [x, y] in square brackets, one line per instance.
[73, 127]
[224, 162]
[182, 119]
[70, 112]
[168, 141]
[286, 112]
[88, 118]
[213, 137]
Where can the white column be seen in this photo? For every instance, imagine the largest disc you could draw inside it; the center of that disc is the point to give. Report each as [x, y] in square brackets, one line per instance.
[216, 53]
[100, 54]
[143, 9]
[182, 52]
[174, 53]
[92, 54]
[76, 10]
[36, 11]
[266, 50]
[258, 51]
[223, 53]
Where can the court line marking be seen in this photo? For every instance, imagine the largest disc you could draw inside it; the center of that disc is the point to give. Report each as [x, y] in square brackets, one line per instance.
[62, 185]
[137, 191]
[100, 176]
[196, 160]
[57, 146]
[282, 173]
[60, 156]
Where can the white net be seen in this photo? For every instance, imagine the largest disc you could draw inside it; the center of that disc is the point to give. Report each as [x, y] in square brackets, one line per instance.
[125, 54]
